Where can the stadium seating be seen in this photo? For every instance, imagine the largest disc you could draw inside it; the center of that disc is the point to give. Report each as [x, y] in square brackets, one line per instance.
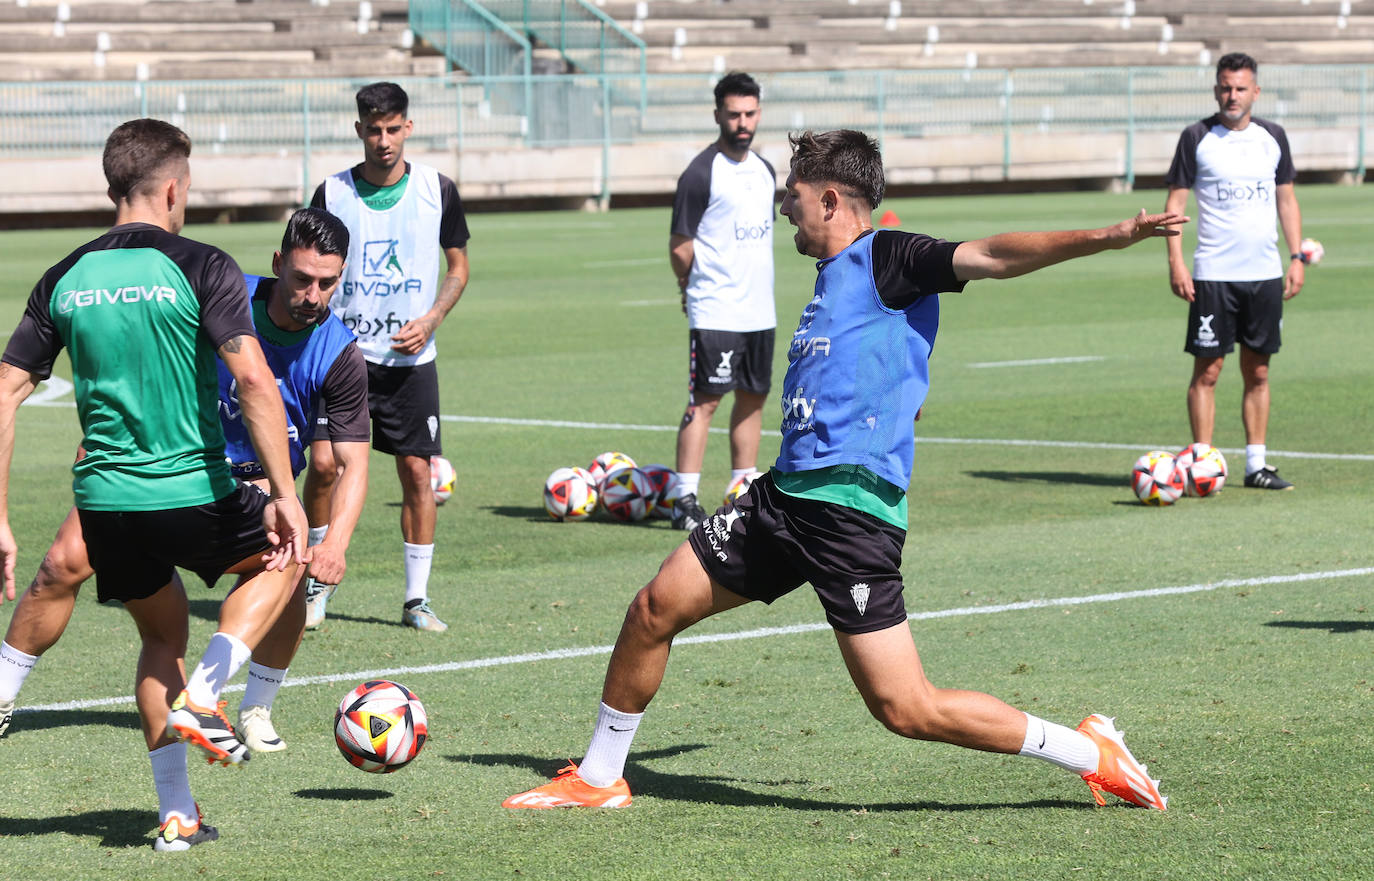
[781, 35]
[207, 39]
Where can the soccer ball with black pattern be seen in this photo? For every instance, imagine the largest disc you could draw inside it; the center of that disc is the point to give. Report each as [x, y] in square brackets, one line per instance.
[570, 494]
[1204, 470]
[606, 464]
[1157, 479]
[740, 485]
[380, 726]
[628, 494]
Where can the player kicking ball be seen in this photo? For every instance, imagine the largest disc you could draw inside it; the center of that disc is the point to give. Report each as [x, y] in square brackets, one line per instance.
[833, 510]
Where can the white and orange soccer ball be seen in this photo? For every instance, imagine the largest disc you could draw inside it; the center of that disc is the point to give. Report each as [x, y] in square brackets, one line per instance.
[607, 463]
[1204, 470]
[1157, 479]
[442, 479]
[570, 494]
[628, 494]
[665, 483]
[1312, 251]
[380, 726]
[740, 485]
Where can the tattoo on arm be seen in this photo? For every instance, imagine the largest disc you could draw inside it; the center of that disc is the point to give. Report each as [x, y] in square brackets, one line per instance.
[234, 345]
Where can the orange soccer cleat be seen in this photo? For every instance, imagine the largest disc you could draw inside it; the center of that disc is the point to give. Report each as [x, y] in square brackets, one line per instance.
[569, 790]
[1118, 772]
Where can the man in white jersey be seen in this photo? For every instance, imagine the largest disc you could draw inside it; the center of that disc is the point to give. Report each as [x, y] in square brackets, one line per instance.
[401, 216]
[1241, 169]
[721, 251]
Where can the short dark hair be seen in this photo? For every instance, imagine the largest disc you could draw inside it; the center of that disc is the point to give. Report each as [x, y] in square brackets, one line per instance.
[735, 83]
[315, 228]
[382, 99]
[137, 154]
[1236, 61]
[847, 158]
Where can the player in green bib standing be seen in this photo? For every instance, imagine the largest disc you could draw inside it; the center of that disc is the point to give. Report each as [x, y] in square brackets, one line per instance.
[402, 217]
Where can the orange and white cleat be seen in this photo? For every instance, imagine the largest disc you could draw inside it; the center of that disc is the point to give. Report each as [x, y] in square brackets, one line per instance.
[1118, 772]
[569, 790]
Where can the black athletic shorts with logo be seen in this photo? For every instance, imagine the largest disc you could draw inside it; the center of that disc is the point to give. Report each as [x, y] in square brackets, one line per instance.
[768, 543]
[1224, 313]
[404, 402]
[133, 552]
[721, 361]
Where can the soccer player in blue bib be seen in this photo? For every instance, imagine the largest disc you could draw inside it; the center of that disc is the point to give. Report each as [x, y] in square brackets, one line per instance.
[833, 510]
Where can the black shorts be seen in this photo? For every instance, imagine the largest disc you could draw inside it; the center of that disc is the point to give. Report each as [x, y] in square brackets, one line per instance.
[768, 543]
[404, 402]
[721, 361]
[133, 552]
[1224, 313]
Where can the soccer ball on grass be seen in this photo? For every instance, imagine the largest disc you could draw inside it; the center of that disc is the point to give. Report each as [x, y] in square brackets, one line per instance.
[380, 726]
[570, 494]
[1204, 470]
[1157, 479]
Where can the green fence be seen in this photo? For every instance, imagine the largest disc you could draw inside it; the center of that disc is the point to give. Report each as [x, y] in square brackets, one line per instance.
[297, 117]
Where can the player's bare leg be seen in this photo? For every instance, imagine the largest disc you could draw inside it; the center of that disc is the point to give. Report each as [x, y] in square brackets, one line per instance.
[1254, 407]
[320, 476]
[746, 427]
[680, 595]
[887, 671]
[42, 613]
[694, 431]
[1202, 396]
[162, 626]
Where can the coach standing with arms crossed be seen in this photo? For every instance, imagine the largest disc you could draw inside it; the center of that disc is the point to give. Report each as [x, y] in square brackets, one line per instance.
[721, 251]
[400, 215]
[1242, 171]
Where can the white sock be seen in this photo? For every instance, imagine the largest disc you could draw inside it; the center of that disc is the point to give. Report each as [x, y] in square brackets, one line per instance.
[173, 784]
[1069, 749]
[15, 667]
[223, 657]
[315, 535]
[737, 473]
[418, 559]
[604, 763]
[688, 482]
[263, 684]
[1254, 458]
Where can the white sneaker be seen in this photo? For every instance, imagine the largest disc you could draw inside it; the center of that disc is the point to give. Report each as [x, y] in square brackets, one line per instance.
[419, 615]
[255, 728]
[316, 596]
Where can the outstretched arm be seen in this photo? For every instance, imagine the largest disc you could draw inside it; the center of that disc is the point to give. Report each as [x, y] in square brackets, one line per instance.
[1016, 253]
[328, 564]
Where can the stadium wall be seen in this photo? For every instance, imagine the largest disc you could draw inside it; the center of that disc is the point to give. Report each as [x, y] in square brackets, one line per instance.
[262, 147]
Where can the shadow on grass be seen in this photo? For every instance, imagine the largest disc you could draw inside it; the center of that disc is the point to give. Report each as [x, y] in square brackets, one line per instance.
[1077, 477]
[343, 793]
[1330, 626]
[122, 828]
[730, 790]
[43, 720]
[539, 515]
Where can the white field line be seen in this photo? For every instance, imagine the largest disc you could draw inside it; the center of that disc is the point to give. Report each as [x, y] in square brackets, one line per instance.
[791, 629]
[1005, 442]
[1036, 362]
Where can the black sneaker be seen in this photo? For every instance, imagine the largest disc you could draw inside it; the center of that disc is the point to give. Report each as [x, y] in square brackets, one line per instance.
[1266, 478]
[687, 513]
[6, 714]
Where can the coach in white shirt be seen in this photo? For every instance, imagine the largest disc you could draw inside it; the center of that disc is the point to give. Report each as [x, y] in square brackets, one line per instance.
[1242, 172]
[721, 251]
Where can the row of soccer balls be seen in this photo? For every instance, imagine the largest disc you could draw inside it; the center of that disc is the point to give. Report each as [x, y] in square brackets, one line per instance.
[626, 491]
[1161, 478]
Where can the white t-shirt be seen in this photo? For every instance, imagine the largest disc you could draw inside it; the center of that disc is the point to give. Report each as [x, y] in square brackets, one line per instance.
[726, 207]
[1234, 175]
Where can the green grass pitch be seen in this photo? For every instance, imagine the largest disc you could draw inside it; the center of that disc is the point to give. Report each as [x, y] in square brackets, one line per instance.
[1248, 689]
